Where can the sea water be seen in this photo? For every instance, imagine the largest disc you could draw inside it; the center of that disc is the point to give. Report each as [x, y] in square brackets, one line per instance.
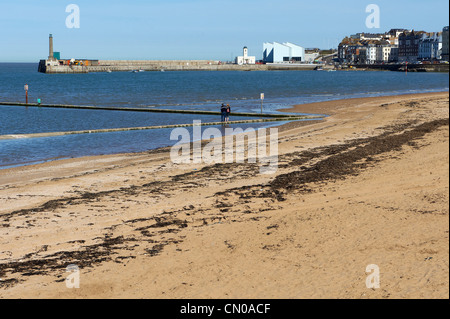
[187, 90]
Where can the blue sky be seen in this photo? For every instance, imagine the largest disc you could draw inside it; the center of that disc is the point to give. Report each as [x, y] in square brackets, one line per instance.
[196, 29]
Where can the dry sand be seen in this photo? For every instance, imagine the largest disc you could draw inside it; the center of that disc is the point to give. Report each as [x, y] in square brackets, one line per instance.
[367, 185]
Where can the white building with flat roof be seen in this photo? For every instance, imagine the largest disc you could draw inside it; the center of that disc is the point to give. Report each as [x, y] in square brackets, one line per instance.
[371, 54]
[245, 59]
[287, 52]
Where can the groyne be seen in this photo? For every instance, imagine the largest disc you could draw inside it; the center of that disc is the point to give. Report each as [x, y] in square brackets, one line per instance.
[257, 118]
[51, 134]
[155, 110]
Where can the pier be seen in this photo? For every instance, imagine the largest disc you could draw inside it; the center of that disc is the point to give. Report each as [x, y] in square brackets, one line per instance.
[90, 66]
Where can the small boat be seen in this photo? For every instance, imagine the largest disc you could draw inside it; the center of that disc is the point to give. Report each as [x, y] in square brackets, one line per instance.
[108, 71]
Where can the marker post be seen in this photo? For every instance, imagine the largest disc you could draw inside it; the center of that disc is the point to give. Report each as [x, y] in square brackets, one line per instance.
[26, 93]
[262, 100]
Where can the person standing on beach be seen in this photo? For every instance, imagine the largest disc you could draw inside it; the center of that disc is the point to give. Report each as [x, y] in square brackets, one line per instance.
[228, 111]
[223, 110]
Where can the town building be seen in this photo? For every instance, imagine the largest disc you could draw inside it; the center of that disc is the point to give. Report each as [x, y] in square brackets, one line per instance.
[393, 34]
[368, 36]
[408, 46]
[348, 50]
[354, 51]
[386, 52]
[371, 52]
[444, 54]
[283, 53]
[430, 46]
[245, 59]
[396, 45]
[393, 57]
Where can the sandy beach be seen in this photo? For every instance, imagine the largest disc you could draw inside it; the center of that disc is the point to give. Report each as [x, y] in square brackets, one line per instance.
[368, 185]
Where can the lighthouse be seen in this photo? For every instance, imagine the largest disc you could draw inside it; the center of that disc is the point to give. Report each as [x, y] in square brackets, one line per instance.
[50, 48]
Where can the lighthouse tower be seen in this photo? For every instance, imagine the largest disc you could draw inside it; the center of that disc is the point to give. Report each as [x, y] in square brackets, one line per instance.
[50, 48]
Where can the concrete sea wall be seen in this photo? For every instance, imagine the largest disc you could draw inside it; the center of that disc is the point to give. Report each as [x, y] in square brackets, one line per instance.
[442, 67]
[178, 65]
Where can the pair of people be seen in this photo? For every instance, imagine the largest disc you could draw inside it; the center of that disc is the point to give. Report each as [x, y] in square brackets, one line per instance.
[225, 110]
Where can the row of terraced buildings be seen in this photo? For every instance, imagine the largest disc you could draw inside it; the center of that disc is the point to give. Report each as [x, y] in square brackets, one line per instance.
[395, 46]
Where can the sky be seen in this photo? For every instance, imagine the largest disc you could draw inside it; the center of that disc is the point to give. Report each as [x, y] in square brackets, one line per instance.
[197, 29]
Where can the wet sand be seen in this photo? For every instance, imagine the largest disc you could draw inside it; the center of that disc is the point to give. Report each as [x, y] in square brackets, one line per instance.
[333, 106]
[367, 185]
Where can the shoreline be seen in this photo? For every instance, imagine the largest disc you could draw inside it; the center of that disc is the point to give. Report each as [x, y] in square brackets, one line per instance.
[366, 185]
[331, 107]
[328, 108]
[323, 108]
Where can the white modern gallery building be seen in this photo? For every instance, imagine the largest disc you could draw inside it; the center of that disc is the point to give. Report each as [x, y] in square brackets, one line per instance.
[287, 52]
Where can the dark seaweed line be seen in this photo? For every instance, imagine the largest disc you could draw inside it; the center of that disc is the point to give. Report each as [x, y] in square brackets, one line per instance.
[341, 162]
[349, 162]
[88, 256]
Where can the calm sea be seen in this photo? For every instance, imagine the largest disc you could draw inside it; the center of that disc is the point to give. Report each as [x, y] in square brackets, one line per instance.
[196, 90]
